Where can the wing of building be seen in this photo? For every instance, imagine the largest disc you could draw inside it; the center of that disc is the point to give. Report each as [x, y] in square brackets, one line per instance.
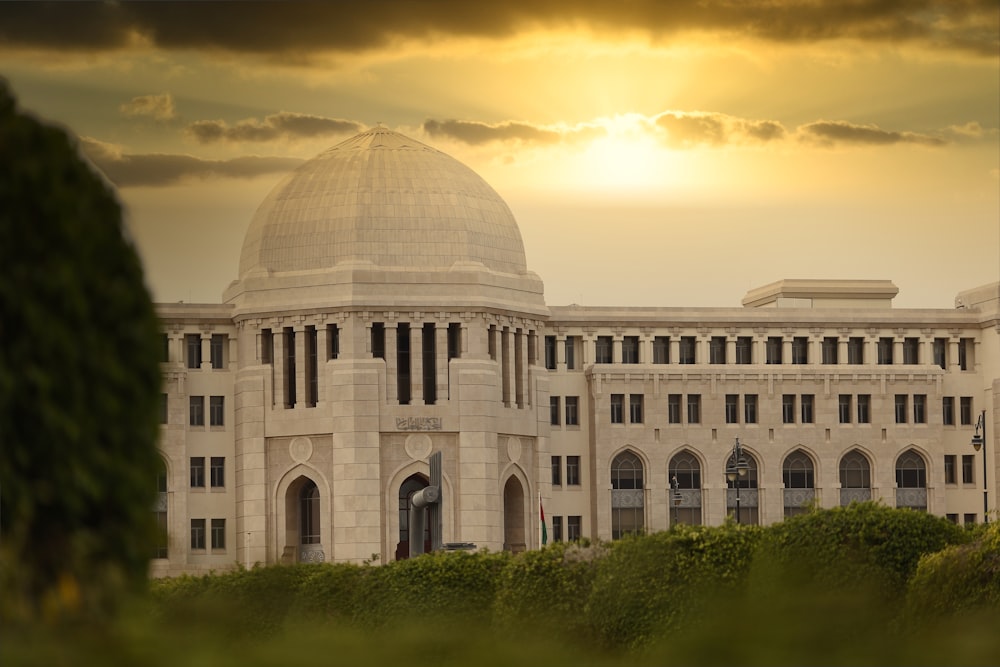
[384, 310]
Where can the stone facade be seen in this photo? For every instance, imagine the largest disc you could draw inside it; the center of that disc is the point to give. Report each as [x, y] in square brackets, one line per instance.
[301, 412]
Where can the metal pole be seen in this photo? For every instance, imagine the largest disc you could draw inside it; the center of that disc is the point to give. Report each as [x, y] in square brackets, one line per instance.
[986, 516]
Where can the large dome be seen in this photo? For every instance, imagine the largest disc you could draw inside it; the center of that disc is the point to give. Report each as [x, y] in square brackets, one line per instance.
[383, 198]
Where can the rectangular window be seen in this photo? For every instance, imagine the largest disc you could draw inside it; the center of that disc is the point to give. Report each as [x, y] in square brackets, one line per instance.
[941, 352]
[557, 530]
[266, 346]
[773, 350]
[800, 350]
[602, 350]
[197, 533]
[744, 350]
[491, 342]
[555, 410]
[630, 350]
[403, 367]
[964, 352]
[556, 471]
[948, 410]
[911, 351]
[164, 414]
[216, 410]
[694, 408]
[196, 415]
[788, 408]
[885, 351]
[844, 408]
[949, 468]
[965, 410]
[428, 360]
[920, 408]
[192, 342]
[831, 347]
[617, 408]
[550, 352]
[661, 350]
[572, 411]
[864, 408]
[952, 517]
[856, 350]
[674, 409]
[573, 470]
[217, 350]
[635, 403]
[808, 402]
[289, 380]
[197, 472]
[732, 408]
[969, 519]
[717, 350]
[312, 366]
[164, 348]
[902, 403]
[378, 340]
[750, 408]
[573, 528]
[968, 474]
[218, 472]
[571, 348]
[687, 350]
[333, 341]
[218, 533]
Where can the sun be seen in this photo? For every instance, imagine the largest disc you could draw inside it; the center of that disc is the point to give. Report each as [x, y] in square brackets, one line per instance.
[628, 157]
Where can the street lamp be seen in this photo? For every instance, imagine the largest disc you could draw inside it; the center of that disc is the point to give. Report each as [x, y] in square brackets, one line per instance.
[736, 468]
[979, 442]
[675, 496]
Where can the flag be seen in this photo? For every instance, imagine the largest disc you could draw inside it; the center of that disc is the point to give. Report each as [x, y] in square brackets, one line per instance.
[541, 514]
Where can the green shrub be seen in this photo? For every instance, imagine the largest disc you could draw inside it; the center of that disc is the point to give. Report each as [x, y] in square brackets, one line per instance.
[79, 382]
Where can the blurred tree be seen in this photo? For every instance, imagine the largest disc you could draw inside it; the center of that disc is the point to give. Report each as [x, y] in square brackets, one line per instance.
[79, 381]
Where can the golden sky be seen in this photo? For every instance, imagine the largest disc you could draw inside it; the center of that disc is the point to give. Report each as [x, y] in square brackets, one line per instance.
[653, 153]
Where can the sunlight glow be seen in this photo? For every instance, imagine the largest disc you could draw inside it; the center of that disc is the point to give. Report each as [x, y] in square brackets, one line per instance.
[628, 158]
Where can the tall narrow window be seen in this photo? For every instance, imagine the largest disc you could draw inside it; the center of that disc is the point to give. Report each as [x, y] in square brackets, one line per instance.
[788, 408]
[920, 408]
[197, 410]
[164, 348]
[572, 411]
[403, 363]
[573, 524]
[555, 410]
[617, 408]
[550, 352]
[289, 379]
[902, 402]
[573, 470]
[378, 340]
[197, 534]
[965, 410]
[773, 350]
[948, 410]
[856, 350]
[968, 469]
[885, 351]
[864, 408]
[844, 408]
[750, 408]
[309, 514]
[266, 346]
[911, 351]
[630, 350]
[694, 408]
[218, 533]
[807, 403]
[627, 501]
[571, 347]
[717, 350]
[800, 350]
[454, 340]
[518, 367]
[164, 413]
[732, 408]
[635, 405]
[687, 350]
[332, 341]
[557, 528]
[218, 472]
[744, 350]
[217, 350]
[964, 352]
[312, 367]
[674, 409]
[556, 470]
[491, 341]
[941, 352]
[831, 350]
[661, 350]
[197, 469]
[602, 350]
[429, 340]
[192, 343]
[949, 469]
[216, 410]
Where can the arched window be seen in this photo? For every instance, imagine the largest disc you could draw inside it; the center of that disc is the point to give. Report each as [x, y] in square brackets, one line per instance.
[627, 501]
[911, 480]
[684, 475]
[855, 478]
[410, 485]
[799, 478]
[309, 530]
[742, 497]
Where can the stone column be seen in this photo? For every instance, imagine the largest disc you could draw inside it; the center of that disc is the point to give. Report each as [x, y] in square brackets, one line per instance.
[206, 350]
[731, 349]
[842, 351]
[322, 344]
[417, 363]
[897, 351]
[616, 350]
[301, 363]
[441, 361]
[675, 349]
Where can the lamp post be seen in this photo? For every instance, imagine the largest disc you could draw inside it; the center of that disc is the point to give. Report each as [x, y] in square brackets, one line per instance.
[675, 496]
[979, 442]
[736, 468]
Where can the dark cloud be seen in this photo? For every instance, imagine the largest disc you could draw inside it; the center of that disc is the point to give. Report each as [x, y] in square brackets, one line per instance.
[474, 133]
[841, 132]
[293, 30]
[276, 126]
[160, 169]
[689, 129]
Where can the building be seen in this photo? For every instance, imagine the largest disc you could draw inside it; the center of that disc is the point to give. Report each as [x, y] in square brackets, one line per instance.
[384, 310]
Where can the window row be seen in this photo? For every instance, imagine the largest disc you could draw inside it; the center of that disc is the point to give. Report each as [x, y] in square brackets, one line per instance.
[217, 535]
[968, 519]
[572, 528]
[833, 350]
[572, 414]
[572, 471]
[218, 351]
[968, 469]
[196, 410]
[216, 472]
[795, 409]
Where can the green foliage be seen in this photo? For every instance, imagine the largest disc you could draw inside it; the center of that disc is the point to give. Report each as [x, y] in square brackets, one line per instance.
[79, 382]
[542, 592]
[651, 585]
[959, 579]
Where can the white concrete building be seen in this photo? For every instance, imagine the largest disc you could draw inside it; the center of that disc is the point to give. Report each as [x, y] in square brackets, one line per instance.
[384, 310]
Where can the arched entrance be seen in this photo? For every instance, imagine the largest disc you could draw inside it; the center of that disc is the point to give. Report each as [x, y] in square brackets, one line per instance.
[513, 516]
[303, 532]
[410, 485]
[627, 495]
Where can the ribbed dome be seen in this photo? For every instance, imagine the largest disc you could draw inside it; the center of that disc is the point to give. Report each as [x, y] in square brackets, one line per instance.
[384, 198]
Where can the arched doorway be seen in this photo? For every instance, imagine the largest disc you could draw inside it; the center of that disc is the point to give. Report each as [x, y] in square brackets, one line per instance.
[911, 480]
[855, 478]
[303, 524]
[513, 516]
[799, 476]
[410, 485]
[627, 499]
[684, 475]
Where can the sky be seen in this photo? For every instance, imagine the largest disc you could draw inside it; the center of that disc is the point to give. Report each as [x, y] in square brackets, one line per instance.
[653, 153]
